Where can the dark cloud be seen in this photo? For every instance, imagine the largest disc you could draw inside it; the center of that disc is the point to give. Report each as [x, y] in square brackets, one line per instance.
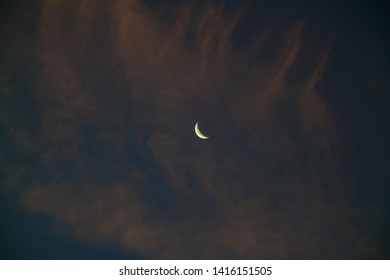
[118, 90]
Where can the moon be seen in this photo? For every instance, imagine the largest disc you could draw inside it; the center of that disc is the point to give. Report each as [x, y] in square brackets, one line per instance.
[199, 133]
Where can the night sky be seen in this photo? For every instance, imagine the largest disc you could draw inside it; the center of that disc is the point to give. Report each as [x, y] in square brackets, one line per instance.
[98, 154]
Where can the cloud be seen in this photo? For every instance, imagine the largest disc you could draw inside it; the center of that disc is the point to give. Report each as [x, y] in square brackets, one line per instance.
[120, 90]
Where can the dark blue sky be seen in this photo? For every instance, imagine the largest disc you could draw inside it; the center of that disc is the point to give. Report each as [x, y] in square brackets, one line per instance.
[98, 105]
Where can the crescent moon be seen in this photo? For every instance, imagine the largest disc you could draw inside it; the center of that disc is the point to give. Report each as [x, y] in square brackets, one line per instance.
[199, 133]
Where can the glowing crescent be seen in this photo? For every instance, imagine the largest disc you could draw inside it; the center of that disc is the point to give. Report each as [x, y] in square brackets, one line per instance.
[199, 133]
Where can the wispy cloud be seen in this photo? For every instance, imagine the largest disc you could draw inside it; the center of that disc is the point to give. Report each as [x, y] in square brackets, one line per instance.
[120, 90]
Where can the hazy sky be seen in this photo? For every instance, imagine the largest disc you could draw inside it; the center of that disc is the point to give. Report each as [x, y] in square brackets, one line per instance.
[99, 158]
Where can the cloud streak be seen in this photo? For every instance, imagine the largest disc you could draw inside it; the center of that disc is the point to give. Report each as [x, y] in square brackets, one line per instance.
[120, 90]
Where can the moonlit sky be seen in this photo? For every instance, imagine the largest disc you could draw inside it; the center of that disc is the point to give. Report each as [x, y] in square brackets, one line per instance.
[99, 159]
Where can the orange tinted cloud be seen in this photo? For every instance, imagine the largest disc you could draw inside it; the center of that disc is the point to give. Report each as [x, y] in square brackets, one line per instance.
[121, 90]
